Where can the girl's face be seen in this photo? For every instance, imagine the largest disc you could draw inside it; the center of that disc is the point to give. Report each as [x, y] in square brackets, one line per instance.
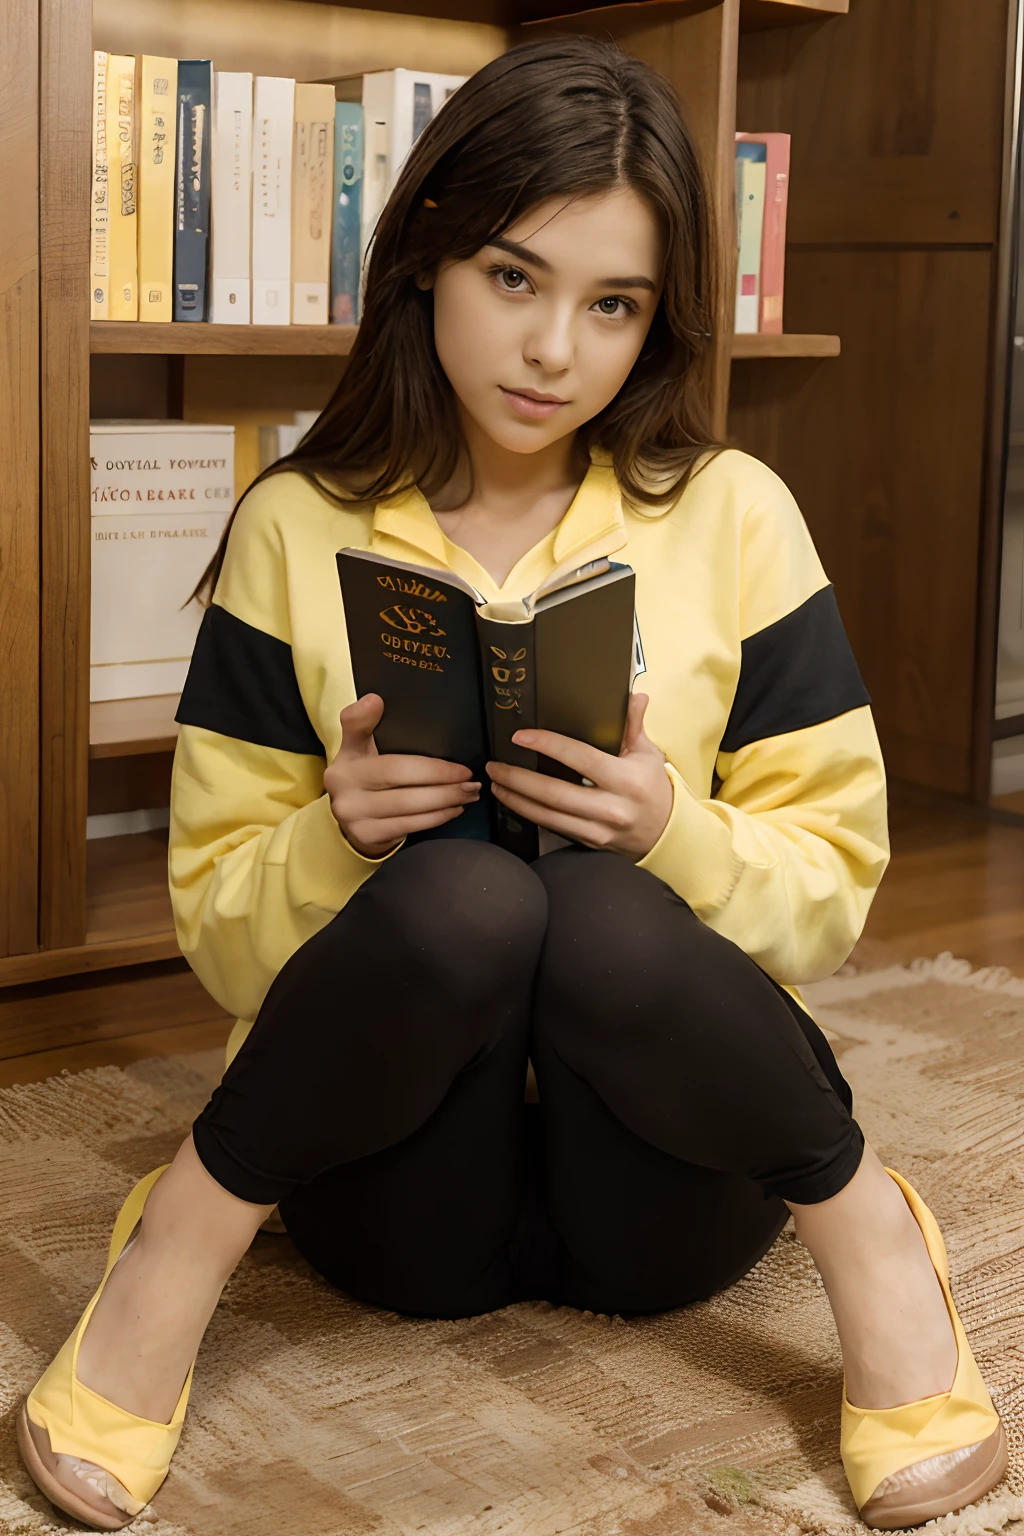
[538, 331]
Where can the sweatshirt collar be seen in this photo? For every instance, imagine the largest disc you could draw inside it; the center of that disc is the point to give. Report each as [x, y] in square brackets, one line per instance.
[405, 527]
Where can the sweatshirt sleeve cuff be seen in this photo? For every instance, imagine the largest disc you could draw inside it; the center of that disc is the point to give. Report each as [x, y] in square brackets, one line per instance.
[328, 868]
[694, 854]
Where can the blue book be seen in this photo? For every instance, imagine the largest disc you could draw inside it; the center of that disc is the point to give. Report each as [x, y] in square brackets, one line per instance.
[348, 202]
[192, 188]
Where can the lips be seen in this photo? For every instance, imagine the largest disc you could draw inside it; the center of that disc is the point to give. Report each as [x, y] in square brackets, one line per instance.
[531, 403]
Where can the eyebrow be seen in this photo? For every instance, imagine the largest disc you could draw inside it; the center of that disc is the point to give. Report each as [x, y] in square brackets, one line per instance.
[523, 253]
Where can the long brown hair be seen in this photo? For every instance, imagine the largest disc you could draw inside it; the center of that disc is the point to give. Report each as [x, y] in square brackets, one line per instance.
[565, 117]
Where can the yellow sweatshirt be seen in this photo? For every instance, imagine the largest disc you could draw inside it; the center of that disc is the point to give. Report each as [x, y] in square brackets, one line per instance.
[777, 836]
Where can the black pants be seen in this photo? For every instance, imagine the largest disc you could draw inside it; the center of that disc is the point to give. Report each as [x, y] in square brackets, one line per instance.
[379, 1096]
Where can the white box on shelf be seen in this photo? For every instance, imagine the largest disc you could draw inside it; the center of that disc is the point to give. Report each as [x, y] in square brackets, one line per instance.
[231, 189]
[162, 492]
[273, 117]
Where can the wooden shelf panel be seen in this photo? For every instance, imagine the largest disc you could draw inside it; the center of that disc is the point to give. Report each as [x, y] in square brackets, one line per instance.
[130, 727]
[189, 337]
[128, 914]
[336, 340]
[759, 15]
[755, 15]
[786, 345]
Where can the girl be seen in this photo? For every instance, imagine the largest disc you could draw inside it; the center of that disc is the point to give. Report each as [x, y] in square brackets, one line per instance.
[527, 391]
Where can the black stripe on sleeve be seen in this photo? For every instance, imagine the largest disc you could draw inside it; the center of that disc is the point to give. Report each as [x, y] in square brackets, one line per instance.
[796, 673]
[242, 683]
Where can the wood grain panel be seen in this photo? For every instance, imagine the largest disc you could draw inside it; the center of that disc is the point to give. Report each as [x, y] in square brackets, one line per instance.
[87, 959]
[19, 468]
[85, 1010]
[185, 336]
[896, 113]
[883, 448]
[65, 183]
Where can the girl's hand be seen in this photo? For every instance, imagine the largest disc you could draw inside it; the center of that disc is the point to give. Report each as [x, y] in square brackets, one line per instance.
[378, 800]
[628, 806]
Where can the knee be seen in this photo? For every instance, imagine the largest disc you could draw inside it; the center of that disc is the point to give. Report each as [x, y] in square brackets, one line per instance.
[462, 907]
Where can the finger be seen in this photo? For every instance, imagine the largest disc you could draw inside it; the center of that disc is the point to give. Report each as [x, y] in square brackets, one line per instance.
[633, 735]
[358, 723]
[579, 829]
[394, 769]
[558, 794]
[590, 762]
[389, 803]
[397, 827]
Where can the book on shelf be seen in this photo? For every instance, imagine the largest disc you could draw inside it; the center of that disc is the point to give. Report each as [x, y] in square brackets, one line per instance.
[273, 116]
[192, 189]
[161, 492]
[156, 90]
[773, 233]
[99, 207]
[459, 676]
[397, 106]
[751, 166]
[312, 192]
[231, 198]
[123, 303]
[278, 438]
[347, 215]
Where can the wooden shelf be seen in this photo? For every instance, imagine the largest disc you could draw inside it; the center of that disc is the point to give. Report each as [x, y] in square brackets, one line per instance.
[759, 15]
[755, 15]
[336, 340]
[190, 337]
[130, 727]
[786, 345]
[128, 913]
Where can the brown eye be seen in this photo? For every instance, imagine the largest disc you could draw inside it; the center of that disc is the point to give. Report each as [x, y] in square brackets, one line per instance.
[512, 277]
[609, 306]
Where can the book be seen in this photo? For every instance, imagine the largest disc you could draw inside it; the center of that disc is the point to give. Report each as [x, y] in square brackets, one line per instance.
[397, 106]
[161, 495]
[459, 676]
[273, 115]
[773, 235]
[231, 199]
[751, 166]
[99, 217]
[278, 438]
[123, 303]
[156, 87]
[192, 189]
[312, 193]
[347, 220]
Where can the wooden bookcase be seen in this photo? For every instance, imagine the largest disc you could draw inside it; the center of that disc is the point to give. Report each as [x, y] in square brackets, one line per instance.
[68, 906]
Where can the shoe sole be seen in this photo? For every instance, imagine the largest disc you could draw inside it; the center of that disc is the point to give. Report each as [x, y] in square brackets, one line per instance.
[62, 1498]
[899, 1517]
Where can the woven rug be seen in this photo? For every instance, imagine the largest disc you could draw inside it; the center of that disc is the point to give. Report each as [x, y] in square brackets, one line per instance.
[314, 1415]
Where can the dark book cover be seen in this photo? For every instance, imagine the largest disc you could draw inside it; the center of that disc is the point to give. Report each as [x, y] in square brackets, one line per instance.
[459, 676]
[192, 188]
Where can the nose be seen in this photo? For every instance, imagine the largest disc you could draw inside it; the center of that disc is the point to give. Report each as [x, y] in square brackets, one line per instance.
[550, 344]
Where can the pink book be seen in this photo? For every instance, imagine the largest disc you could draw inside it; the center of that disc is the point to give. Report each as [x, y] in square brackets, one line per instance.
[773, 239]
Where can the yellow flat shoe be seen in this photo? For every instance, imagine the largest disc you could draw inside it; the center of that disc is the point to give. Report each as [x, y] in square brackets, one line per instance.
[126, 1458]
[915, 1462]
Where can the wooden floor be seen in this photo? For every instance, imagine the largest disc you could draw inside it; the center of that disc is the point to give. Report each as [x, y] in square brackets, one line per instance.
[956, 883]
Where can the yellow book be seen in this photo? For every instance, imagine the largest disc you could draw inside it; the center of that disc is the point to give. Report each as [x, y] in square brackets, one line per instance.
[156, 87]
[312, 203]
[124, 287]
[99, 249]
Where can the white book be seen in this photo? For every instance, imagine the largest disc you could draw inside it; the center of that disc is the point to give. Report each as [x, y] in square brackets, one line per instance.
[231, 189]
[162, 492]
[99, 223]
[273, 117]
[397, 105]
[751, 169]
[312, 203]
